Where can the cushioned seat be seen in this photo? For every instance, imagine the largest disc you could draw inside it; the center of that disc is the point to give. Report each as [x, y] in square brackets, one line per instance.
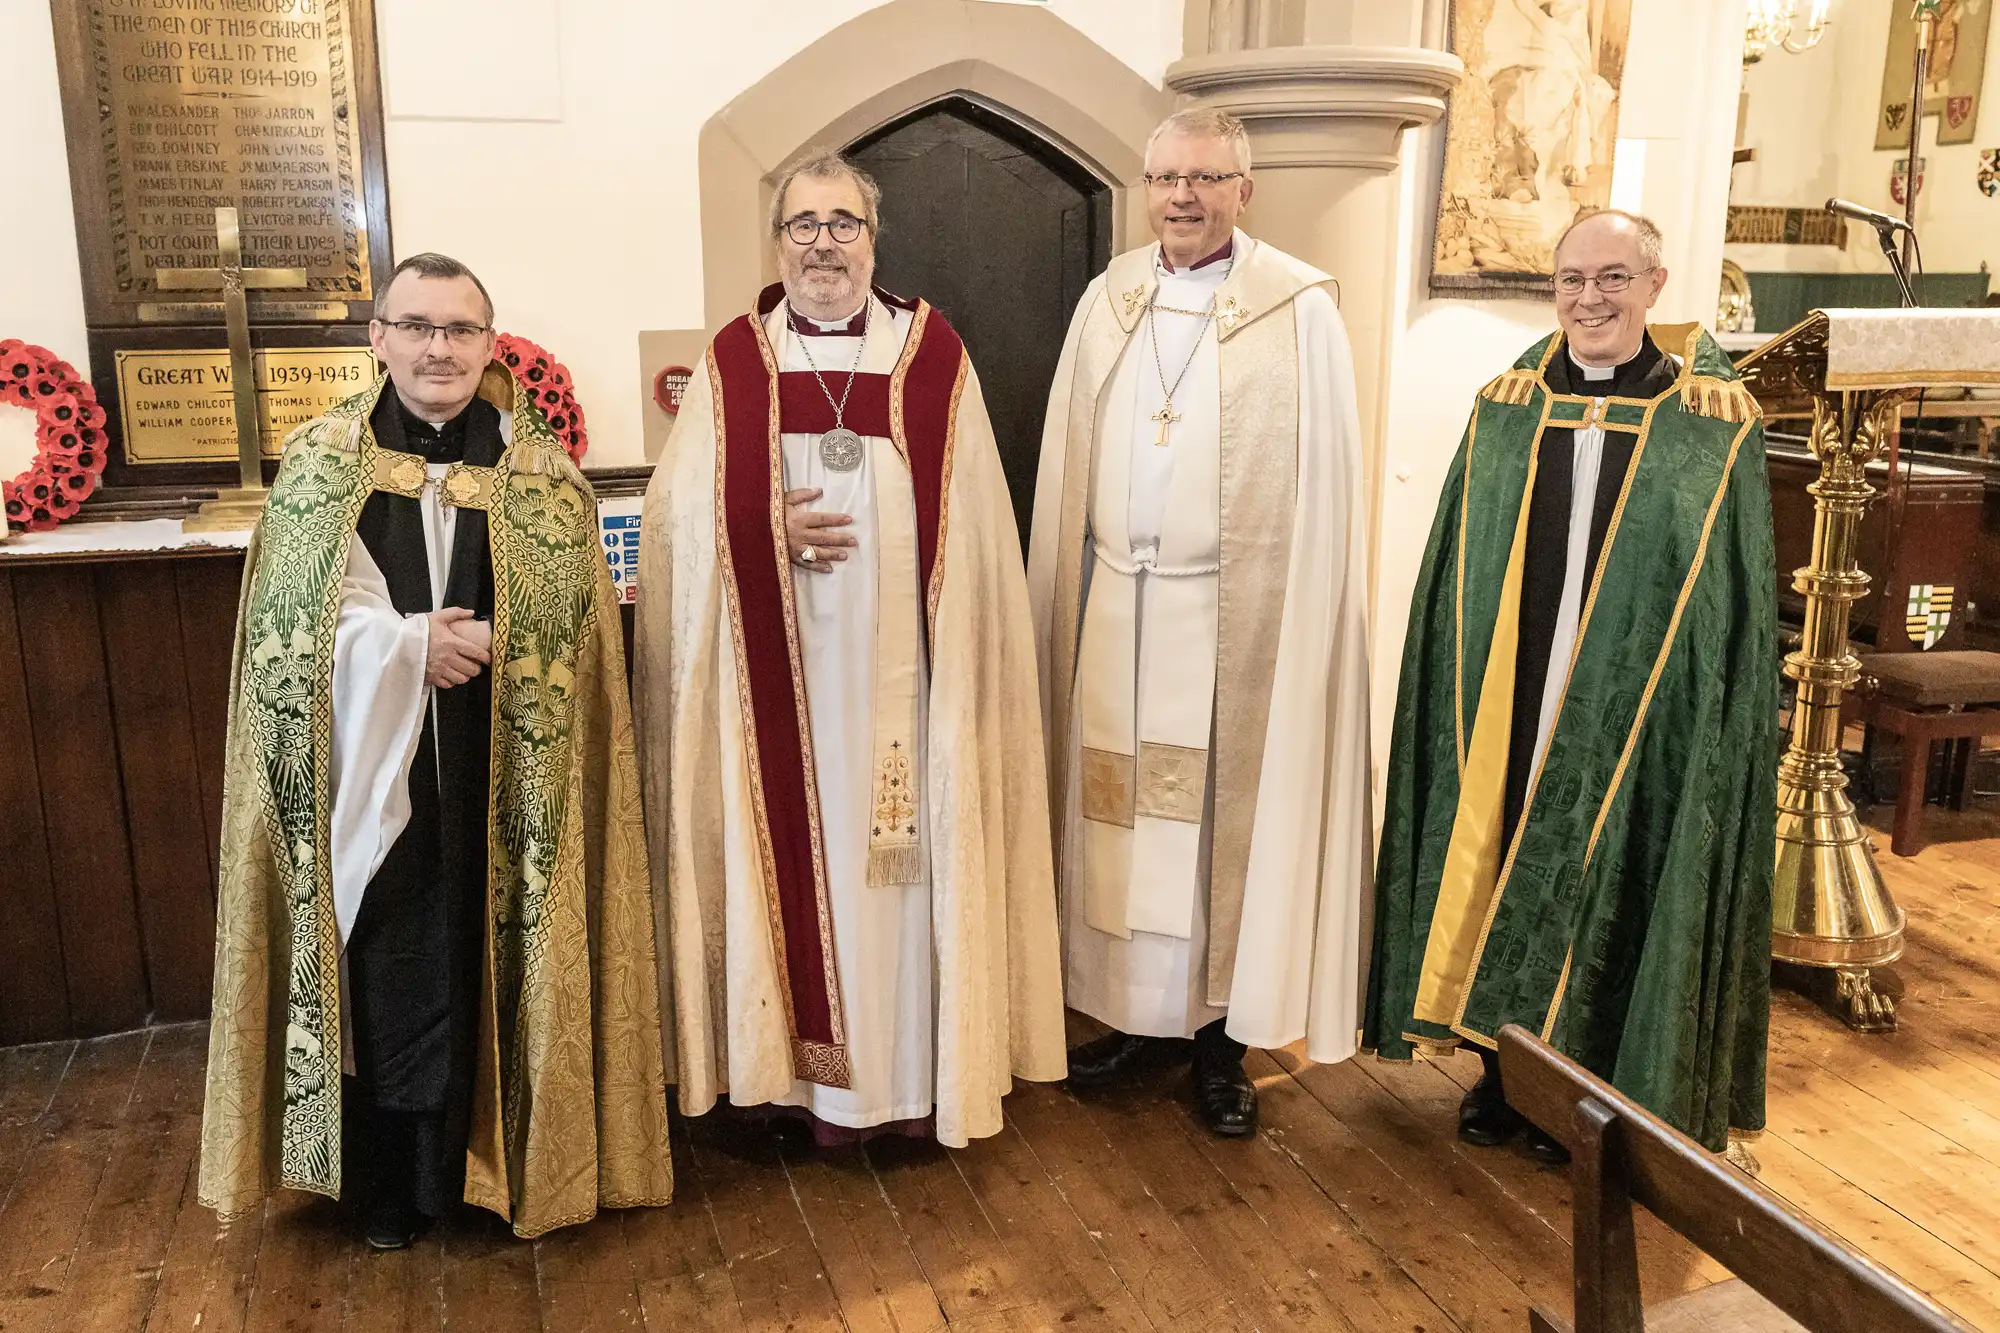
[1936, 680]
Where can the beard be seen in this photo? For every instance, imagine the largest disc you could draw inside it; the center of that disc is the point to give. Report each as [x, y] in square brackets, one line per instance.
[828, 282]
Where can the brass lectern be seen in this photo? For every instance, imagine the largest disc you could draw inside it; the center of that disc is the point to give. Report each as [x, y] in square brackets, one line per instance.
[1852, 370]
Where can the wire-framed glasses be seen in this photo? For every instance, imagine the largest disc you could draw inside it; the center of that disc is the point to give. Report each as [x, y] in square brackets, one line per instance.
[419, 332]
[1201, 180]
[1611, 282]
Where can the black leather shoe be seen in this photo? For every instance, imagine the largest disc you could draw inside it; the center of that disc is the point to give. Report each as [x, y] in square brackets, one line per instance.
[1545, 1149]
[391, 1224]
[1484, 1118]
[1227, 1100]
[1117, 1056]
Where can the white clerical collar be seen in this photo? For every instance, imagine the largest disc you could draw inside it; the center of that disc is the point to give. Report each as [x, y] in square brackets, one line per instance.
[1591, 372]
[849, 326]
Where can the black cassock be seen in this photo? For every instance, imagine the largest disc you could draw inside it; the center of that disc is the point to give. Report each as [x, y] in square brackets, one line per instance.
[413, 956]
[1546, 561]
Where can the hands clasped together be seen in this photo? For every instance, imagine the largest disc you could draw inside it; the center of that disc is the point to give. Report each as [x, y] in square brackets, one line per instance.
[461, 646]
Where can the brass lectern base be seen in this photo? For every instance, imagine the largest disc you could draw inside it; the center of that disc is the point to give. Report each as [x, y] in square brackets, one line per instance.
[1848, 993]
[1834, 920]
[230, 511]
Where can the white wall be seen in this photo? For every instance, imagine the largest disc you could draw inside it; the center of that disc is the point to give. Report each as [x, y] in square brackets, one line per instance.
[1677, 122]
[1811, 118]
[41, 294]
[566, 176]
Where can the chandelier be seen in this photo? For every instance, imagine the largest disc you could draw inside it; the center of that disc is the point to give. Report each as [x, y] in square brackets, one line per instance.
[1779, 23]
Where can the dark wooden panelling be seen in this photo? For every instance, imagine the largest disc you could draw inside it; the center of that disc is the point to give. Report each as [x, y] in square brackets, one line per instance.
[171, 861]
[33, 1003]
[207, 596]
[82, 797]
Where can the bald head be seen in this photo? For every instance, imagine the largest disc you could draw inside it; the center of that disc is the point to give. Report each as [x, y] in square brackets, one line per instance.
[1642, 232]
[1608, 275]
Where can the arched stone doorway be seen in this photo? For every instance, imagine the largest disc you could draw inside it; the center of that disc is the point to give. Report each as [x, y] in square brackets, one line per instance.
[872, 74]
[1001, 230]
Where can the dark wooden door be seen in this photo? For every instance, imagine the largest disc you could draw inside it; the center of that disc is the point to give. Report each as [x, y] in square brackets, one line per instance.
[1001, 230]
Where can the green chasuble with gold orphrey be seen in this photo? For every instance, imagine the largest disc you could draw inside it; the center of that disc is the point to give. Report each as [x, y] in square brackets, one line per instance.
[569, 1095]
[1627, 918]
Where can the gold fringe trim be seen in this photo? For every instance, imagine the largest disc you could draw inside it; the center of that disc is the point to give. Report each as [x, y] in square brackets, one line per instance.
[1724, 400]
[897, 864]
[1515, 388]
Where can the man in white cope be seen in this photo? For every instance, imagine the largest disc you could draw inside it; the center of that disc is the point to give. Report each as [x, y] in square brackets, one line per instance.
[839, 727]
[435, 975]
[1198, 575]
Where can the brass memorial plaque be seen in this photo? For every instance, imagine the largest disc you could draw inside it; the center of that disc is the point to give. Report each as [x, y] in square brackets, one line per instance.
[240, 103]
[177, 404]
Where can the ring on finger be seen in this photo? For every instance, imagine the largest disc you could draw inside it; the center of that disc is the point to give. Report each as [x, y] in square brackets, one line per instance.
[809, 554]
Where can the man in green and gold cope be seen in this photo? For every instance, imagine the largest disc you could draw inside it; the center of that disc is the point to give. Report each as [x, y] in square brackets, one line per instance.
[1580, 823]
[1199, 574]
[435, 977]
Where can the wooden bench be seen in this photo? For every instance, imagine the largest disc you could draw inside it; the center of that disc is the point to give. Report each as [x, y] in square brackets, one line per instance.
[1791, 1274]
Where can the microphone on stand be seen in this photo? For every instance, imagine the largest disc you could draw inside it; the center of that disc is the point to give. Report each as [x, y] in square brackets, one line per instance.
[1886, 228]
[1879, 221]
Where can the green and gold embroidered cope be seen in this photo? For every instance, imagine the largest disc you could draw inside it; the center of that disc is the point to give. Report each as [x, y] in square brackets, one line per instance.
[561, 752]
[1627, 918]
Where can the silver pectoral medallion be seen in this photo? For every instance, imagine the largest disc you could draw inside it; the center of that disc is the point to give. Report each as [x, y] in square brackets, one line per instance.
[840, 449]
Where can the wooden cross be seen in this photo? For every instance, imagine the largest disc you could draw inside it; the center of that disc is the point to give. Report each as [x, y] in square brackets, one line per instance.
[229, 276]
[1166, 416]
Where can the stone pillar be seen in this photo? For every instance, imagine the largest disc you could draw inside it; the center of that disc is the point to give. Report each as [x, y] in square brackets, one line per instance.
[1327, 89]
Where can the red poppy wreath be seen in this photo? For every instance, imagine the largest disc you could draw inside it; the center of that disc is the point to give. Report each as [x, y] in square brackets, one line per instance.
[69, 436]
[549, 381]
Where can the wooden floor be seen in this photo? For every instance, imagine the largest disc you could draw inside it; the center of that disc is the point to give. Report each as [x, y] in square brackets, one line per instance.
[1355, 1208]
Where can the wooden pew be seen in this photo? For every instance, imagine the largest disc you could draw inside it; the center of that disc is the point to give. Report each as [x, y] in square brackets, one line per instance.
[1791, 1274]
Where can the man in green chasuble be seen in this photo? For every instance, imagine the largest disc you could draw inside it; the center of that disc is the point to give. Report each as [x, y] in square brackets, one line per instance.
[1581, 814]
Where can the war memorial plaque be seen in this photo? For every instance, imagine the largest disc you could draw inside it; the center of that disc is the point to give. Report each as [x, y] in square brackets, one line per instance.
[177, 107]
[177, 404]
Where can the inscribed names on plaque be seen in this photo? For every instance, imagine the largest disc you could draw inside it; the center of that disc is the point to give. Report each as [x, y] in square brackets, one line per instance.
[178, 409]
[244, 103]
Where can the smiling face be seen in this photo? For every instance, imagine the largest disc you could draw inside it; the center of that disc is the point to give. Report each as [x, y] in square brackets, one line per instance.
[435, 376]
[825, 279]
[1192, 223]
[1605, 328]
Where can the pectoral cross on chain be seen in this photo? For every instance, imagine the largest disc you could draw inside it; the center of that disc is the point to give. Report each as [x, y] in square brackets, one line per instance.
[1166, 416]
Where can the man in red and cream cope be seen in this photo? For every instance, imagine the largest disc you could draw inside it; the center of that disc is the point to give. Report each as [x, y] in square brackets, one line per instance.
[1198, 573]
[840, 733]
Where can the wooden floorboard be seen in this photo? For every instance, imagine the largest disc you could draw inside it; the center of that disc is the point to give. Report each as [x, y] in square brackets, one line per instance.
[1354, 1208]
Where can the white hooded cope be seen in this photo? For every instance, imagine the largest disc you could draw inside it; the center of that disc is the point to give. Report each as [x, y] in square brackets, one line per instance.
[1198, 575]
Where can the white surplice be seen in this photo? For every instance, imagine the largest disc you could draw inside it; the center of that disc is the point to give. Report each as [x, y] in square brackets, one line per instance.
[380, 703]
[1146, 983]
[881, 934]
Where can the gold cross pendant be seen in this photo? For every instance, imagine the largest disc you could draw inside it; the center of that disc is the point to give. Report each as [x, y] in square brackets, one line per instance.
[1166, 416]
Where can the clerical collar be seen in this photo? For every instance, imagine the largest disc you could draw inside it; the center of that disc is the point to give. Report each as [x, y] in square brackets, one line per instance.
[437, 443]
[1625, 380]
[806, 326]
[1219, 257]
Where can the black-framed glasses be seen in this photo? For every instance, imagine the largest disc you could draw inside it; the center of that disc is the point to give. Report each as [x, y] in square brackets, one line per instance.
[1201, 180]
[419, 332]
[1611, 283]
[843, 228]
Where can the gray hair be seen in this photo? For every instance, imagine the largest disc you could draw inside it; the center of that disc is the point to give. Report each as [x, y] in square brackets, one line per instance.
[1652, 245]
[1200, 122]
[430, 264]
[828, 164]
